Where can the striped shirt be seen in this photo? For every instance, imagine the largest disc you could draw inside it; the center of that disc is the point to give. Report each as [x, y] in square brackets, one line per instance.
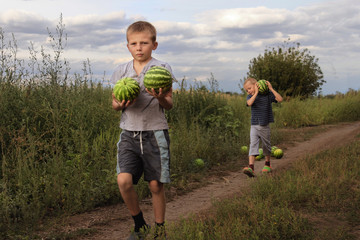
[261, 109]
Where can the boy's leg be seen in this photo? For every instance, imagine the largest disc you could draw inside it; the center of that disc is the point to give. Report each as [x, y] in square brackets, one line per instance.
[158, 199]
[131, 201]
[265, 139]
[267, 159]
[253, 151]
[156, 169]
[267, 167]
[128, 193]
[159, 204]
[251, 160]
[250, 169]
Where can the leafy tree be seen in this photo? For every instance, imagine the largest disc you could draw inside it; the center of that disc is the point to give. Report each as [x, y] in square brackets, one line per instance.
[291, 70]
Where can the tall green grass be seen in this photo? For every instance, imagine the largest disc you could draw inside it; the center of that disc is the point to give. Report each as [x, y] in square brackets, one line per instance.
[287, 205]
[204, 125]
[318, 111]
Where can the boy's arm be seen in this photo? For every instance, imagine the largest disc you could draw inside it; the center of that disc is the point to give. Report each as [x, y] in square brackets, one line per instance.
[252, 99]
[165, 99]
[278, 97]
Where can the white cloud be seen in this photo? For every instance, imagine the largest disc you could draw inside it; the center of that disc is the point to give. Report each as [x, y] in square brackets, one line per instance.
[221, 41]
[243, 18]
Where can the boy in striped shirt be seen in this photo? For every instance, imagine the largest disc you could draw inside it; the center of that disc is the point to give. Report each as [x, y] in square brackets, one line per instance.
[261, 117]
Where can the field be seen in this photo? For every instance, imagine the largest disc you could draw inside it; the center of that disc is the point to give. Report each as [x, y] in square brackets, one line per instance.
[316, 199]
[58, 143]
[58, 137]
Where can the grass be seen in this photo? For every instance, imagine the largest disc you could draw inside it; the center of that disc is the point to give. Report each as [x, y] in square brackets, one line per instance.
[290, 204]
[318, 111]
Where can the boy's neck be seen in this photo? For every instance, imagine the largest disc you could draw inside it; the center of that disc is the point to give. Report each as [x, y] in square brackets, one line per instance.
[139, 66]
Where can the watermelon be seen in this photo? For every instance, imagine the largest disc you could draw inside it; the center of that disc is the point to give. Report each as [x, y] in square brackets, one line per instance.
[261, 151]
[263, 87]
[126, 89]
[199, 163]
[244, 150]
[273, 148]
[278, 153]
[261, 155]
[158, 77]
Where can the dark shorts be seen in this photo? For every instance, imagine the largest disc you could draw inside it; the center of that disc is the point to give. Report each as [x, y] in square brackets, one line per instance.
[145, 152]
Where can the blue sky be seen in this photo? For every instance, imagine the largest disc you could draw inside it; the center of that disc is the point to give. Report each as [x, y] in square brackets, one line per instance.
[197, 38]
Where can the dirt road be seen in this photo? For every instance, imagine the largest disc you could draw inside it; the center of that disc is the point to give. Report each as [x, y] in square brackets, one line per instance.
[114, 222]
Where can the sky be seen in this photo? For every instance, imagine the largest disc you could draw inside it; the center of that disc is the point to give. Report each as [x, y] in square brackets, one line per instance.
[197, 38]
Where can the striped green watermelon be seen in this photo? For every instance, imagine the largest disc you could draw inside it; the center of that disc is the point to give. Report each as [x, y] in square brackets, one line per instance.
[278, 153]
[273, 148]
[126, 89]
[244, 150]
[263, 87]
[158, 77]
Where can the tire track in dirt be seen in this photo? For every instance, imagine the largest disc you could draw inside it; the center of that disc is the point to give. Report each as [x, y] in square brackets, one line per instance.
[114, 222]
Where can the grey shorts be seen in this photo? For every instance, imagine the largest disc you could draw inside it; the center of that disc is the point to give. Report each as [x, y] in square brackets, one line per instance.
[257, 133]
[145, 152]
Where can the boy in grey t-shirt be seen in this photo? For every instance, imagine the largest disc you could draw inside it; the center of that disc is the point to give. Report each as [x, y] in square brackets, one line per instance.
[143, 147]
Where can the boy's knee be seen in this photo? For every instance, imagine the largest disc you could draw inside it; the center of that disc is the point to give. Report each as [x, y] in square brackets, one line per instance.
[156, 187]
[124, 181]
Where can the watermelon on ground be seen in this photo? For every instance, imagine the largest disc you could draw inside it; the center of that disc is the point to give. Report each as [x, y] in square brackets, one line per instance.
[126, 89]
[273, 148]
[198, 164]
[263, 87]
[158, 77]
[261, 151]
[278, 153]
[259, 157]
[244, 150]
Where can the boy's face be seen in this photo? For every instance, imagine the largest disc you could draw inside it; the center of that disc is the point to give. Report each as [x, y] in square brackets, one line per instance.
[250, 88]
[141, 45]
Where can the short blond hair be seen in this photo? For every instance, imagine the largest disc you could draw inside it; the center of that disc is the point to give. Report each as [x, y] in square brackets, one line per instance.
[250, 80]
[142, 26]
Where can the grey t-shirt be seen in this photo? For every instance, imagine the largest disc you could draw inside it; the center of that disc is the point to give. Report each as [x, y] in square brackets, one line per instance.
[145, 114]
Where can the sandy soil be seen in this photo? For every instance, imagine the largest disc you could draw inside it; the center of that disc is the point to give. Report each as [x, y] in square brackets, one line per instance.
[114, 222]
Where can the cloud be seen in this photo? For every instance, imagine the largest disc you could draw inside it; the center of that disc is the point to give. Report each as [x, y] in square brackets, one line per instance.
[221, 41]
[244, 18]
[17, 21]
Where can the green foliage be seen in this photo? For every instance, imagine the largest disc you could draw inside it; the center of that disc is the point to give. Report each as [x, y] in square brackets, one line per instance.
[317, 111]
[277, 207]
[291, 70]
[203, 123]
[56, 150]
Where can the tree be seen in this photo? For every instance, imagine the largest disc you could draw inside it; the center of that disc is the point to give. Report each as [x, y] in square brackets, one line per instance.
[291, 70]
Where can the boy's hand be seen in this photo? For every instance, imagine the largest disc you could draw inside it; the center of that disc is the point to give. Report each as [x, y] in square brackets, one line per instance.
[256, 88]
[278, 97]
[117, 105]
[160, 94]
[164, 98]
[269, 85]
